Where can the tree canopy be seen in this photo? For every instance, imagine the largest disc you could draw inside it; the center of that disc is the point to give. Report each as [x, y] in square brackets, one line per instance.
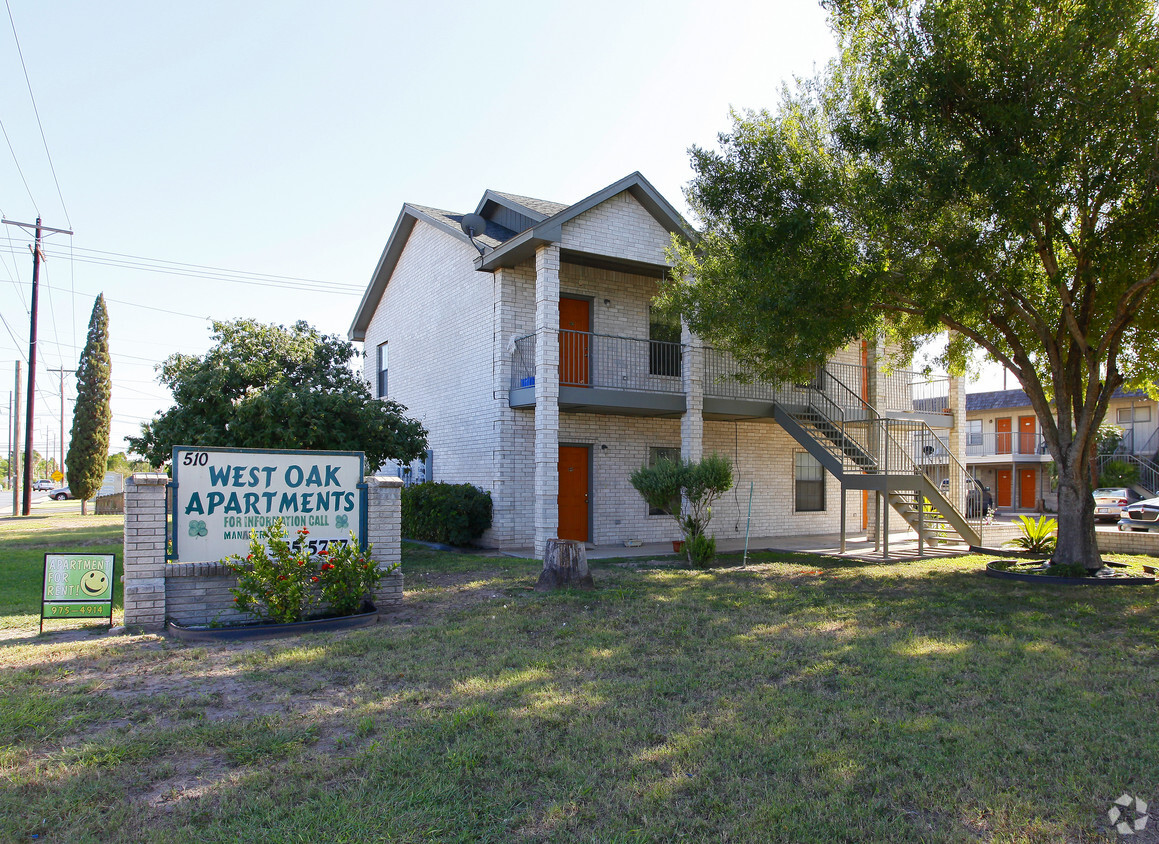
[92, 416]
[269, 386]
[988, 168]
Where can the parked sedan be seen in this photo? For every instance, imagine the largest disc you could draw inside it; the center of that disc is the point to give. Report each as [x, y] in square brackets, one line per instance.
[1142, 516]
[60, 493]
[1110, 501]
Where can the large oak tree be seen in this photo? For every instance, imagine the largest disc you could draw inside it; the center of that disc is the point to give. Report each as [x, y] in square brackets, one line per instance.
[988, 168]
[268, 386]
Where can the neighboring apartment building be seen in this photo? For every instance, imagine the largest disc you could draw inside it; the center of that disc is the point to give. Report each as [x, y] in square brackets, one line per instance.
[531, 353]
[1005, 449]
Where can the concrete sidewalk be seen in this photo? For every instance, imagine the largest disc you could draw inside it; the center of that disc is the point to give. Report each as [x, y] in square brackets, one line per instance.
[903, 545]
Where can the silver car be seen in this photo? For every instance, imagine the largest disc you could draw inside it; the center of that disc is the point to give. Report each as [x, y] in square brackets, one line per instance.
[1111, 501]
[1142, 516]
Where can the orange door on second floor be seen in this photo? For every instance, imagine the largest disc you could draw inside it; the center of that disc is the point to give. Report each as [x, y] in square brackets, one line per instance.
[1002, 437]
[575, 323]
[1002, 482]
[1027, 438]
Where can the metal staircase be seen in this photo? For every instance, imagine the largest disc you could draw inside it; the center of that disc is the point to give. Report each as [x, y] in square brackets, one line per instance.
[905, 460]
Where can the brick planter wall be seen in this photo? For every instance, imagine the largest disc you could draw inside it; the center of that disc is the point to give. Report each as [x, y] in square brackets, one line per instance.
[198, 593]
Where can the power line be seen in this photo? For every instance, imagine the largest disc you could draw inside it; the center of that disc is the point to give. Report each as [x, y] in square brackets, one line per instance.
[74, 292]
[19, 170]
[229, 276]
[212, 269]
[36, 111]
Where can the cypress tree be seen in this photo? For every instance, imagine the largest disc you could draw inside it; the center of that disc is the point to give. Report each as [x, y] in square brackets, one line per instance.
[88, 452]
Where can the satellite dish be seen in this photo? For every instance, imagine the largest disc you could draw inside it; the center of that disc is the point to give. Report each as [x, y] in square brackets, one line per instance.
[473, 225]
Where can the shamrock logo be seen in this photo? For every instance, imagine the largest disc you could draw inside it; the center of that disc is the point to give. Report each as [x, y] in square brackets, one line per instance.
[197, 528]
[341, 521]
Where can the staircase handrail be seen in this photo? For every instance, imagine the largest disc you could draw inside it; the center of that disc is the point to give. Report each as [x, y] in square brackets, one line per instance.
[1148, 474]
[925, 430]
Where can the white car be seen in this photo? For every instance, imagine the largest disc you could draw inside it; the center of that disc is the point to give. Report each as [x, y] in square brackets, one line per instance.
[1142, 516]
[1111, 501]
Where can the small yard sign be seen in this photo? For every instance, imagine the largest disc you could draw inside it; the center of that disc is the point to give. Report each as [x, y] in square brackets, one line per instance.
[222, 496]
[77, 586]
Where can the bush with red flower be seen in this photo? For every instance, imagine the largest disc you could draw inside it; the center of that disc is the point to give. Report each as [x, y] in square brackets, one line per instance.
[282, 582]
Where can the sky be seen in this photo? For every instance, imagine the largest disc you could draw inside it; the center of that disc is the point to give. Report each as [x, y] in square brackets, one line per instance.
[225, 160]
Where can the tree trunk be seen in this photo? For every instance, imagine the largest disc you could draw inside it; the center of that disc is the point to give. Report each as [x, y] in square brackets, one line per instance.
[83, 508]
[1077, 542]
[565, 563]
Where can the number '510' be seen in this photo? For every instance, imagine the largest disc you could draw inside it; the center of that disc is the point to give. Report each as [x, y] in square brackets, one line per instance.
[195, 458]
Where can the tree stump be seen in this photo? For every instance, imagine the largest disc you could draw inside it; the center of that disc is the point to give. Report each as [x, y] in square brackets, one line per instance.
[565, 563]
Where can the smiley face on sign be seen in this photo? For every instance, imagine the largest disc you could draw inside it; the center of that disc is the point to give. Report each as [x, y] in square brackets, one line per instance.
[94, 583]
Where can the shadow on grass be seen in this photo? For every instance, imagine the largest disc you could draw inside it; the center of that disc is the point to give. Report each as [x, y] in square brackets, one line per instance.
[799, 700]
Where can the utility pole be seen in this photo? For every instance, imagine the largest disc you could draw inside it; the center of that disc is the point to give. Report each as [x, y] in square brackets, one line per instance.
[37, 256]
[60, 465]
[8, 479]
[15, 459]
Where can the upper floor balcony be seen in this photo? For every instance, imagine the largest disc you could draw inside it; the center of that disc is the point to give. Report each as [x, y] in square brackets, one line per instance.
[1006, 447]
[607, 374]
[732, 392]
[637, 376]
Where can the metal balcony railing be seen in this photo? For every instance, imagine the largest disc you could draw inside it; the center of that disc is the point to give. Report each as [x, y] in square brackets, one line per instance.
[900, 390]
[1000, 444]
[601, 360]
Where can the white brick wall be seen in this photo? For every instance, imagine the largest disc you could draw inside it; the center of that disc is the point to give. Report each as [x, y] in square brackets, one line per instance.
[761, 452]
[437, 314]
[621, 227]
[451, 332]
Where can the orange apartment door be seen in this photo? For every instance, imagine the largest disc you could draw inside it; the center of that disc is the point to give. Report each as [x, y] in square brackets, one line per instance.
[1002, 437]
[1027, 441]
[575, 315]
[1002, 481]
[573, 492]
[1027, 488]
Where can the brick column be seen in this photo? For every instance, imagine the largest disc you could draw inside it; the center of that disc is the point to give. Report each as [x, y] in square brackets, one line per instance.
[144, 556]
[692, 374]
[384, 532]
[875, 395]
[957, 442]
[546, 518]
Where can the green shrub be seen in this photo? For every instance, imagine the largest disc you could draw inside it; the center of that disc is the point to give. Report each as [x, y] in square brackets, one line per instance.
[699, 483]
[456, 514]
[1116, 473]
[1066, 570]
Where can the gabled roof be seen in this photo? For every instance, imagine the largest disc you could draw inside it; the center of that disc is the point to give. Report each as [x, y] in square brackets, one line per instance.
[536, 209]
[550, 229]
[1003, 399]
[541, 222]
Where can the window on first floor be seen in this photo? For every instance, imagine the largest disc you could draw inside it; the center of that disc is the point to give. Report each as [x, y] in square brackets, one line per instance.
[1130, 415]
[809, 483]
[655, 455]
[663, 344]
[381, 381]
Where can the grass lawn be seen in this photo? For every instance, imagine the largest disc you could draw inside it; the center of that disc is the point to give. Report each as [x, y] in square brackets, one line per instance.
[801, 699]
[23, 543]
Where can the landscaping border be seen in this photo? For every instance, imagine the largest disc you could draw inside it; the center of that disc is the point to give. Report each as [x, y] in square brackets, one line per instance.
[1048, 580]
[245, 632]
[188, 594]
